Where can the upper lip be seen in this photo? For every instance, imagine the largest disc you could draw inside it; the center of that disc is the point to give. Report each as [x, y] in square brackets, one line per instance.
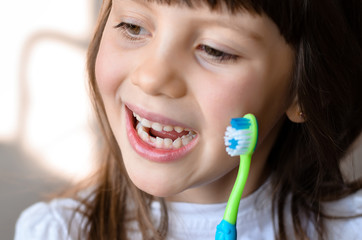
[154, 117]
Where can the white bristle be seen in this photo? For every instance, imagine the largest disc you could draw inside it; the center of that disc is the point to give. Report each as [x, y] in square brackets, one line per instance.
[242, 137]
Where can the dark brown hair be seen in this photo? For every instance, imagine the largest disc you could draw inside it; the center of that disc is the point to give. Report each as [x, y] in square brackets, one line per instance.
[326, 36]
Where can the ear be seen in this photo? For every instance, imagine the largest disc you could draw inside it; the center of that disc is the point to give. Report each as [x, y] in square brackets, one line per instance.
[294, 112]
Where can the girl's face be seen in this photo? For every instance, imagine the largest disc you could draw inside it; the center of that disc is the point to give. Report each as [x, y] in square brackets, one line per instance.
[184, 73]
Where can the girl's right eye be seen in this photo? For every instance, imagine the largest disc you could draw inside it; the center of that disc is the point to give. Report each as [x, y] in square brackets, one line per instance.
[132, 31]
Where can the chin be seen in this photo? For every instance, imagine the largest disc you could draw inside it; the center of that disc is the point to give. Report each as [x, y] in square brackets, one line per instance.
[158, 182]
[157, 189]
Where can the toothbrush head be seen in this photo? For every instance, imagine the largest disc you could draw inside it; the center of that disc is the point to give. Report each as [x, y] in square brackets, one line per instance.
[241, 137]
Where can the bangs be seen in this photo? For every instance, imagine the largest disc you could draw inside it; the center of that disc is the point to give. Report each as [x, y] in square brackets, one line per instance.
[287, 15]
[233, 6]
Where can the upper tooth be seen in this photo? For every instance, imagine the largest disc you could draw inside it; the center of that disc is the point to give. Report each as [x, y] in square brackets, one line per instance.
[157, 126]
[167, 128]
[178, 129]
[146, 123]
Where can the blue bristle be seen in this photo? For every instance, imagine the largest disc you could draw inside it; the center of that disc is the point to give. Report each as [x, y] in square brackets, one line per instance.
[240, 123]
[233, 143]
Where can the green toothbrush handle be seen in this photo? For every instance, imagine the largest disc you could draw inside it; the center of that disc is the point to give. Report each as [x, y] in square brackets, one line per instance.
[232, 206]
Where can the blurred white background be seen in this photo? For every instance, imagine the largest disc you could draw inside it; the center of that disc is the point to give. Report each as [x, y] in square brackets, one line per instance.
[46, 125]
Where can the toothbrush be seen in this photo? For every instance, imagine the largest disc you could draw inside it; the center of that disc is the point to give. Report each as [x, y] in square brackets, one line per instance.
[240, 139]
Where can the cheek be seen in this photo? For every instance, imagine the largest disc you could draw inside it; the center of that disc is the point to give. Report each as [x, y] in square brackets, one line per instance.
[258, 91]
[230, 97]
[110, 69]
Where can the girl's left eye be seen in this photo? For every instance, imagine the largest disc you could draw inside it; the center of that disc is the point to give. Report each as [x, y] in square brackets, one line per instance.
[132, 31]
[217, 55]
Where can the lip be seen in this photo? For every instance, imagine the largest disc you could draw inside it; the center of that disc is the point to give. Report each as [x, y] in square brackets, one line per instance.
[147, 151]
[154, 117]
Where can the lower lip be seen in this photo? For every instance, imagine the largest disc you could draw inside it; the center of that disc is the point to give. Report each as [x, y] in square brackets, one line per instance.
[149, 152]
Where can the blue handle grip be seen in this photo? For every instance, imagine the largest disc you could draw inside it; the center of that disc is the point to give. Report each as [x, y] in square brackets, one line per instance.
[225, 231]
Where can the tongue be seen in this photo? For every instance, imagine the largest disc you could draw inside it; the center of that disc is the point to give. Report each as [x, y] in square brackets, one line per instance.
[172, 135]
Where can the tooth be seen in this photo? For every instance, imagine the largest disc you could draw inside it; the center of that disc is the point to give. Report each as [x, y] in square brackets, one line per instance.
[159, 142]
[167, 143]
[157, 127]
[185, 140]
[177, 143]
[144, 136]
[138, 126]
[139, 129]
[191, 134]
[146, 123]
[178, 129]
[138, 118]
[167, 128]
[152, 139]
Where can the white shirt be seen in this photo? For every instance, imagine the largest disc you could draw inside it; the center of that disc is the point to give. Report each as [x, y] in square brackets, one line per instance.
[194, 221]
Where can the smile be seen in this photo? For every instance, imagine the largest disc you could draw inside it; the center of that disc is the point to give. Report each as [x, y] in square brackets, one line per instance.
[163, 136]
[159, 139]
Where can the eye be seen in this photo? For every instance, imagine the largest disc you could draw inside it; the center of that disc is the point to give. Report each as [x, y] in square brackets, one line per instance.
[217, 55]
[132, 31]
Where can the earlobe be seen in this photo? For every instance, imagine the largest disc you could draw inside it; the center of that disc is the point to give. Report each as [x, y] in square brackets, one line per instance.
[294, 112]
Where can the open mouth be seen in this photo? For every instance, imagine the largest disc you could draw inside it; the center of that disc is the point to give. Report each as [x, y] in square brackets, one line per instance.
[157, 138]
[162, 136]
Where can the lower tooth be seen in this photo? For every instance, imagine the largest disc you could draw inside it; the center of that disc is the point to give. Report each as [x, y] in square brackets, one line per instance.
[167, 143]
[144, 136]
[177, 143]
[185, 140]
[142, 133]
[159, 142]
[139, 130]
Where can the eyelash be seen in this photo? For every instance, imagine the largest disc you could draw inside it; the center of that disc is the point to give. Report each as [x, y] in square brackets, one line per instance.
[213, 53]
[218, 55]
[126, 28]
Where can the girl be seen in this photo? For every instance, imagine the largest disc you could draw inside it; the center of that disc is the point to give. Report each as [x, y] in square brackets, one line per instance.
[167, 76]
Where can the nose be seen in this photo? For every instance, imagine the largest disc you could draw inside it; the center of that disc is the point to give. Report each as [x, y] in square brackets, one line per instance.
[160, 75]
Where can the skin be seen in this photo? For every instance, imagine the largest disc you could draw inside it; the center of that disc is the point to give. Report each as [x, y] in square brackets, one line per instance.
[166, 69]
